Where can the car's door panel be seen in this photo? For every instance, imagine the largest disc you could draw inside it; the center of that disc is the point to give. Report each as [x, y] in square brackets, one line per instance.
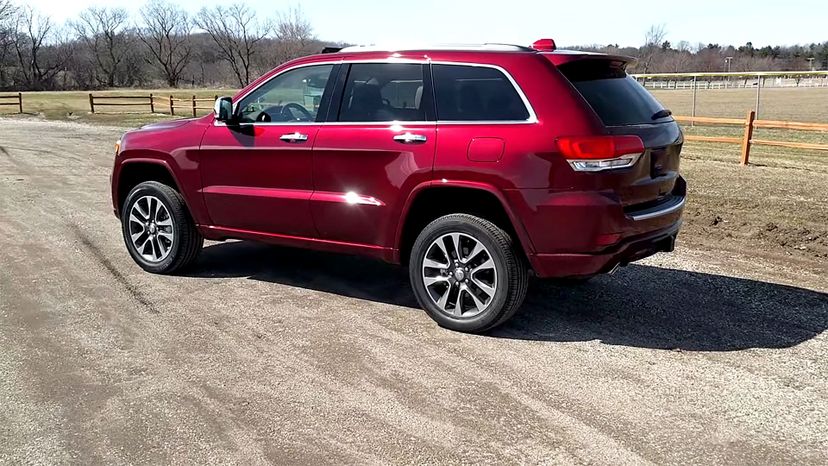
[253, 180]
[360, 175]
[379, 144]
[257, 171]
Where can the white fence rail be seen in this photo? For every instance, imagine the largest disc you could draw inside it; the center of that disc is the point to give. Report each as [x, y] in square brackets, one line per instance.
[739, 80]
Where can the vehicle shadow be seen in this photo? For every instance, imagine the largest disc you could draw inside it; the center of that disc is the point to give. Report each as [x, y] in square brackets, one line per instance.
[640, 306]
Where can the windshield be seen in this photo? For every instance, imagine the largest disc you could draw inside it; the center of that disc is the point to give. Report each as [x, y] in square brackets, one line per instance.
[616, 97]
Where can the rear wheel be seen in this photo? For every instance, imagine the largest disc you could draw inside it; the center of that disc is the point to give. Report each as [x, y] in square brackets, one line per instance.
[467, 273]
[159, 232]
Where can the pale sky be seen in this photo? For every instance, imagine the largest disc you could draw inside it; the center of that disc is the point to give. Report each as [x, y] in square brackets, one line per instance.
[580, 22]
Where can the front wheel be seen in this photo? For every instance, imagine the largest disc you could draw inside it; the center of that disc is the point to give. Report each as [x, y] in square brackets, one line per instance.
[467, 273]
[159, 232]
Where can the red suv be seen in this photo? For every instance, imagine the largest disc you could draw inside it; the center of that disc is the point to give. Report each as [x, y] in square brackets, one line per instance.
[473, 165]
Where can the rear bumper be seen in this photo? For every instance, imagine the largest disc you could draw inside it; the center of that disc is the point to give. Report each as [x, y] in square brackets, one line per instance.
[579, 233]
[631, 250]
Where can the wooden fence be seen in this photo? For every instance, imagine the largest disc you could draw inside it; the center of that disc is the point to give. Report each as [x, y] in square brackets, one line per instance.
[17, 101]
[121, 101]
[750, 123]
[190, 105]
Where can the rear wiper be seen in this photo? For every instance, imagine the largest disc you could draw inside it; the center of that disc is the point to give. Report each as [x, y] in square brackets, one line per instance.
[664, 113]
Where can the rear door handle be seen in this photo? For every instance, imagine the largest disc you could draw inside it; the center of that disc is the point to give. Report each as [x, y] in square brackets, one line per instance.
[410, 138]
[296, 137]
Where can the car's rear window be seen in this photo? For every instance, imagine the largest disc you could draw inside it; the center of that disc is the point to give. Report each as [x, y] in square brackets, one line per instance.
[617, 98]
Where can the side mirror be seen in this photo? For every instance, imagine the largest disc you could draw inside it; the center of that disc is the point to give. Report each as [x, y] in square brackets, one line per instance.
[223, 109]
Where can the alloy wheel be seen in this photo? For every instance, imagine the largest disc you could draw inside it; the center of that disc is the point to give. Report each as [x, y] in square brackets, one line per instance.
[459, 275]
[151, 229]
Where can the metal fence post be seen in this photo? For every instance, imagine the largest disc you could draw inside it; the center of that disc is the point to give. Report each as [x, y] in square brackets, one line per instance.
[694, 101]
[758, 91]
[194, 106]
[751, 117]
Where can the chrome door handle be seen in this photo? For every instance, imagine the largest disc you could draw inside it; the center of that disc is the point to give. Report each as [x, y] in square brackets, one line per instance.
[409, 138]
[294, 137]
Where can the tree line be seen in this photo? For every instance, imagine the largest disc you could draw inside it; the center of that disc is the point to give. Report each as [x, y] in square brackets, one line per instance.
[104, 47]
[659, 55]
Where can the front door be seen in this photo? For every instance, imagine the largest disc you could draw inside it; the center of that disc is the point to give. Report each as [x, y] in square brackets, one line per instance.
[257, 174]
[379, 145]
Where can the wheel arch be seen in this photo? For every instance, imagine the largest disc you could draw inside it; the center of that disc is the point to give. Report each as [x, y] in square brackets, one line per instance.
[433, 200]
[138, 170]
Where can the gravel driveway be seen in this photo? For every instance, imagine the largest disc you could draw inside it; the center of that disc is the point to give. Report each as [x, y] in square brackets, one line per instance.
[261, 354]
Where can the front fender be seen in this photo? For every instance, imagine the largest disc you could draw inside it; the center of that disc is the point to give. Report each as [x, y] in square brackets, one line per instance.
[185, 176]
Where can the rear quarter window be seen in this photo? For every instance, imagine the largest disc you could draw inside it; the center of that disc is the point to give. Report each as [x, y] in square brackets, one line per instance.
[475, 93]
[616, 97]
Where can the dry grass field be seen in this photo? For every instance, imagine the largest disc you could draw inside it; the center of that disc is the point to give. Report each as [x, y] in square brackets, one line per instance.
[792, 104]
[74, 105]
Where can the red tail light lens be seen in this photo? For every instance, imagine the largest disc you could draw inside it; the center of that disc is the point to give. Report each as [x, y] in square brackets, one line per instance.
[599, 147]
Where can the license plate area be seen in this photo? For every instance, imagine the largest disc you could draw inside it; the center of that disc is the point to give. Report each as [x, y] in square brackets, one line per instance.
[663, 161]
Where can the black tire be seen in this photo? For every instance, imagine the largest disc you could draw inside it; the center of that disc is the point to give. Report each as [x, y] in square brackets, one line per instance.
[511, 269]
[187, 241]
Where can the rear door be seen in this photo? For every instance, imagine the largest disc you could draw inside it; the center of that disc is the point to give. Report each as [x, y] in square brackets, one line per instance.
[625, 107]
[376, 147]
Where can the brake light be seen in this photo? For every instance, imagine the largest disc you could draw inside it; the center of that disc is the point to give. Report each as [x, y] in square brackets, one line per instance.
[544, 45]
[597, 153]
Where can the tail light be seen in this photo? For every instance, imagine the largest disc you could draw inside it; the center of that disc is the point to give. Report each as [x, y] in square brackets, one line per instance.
[598, 153]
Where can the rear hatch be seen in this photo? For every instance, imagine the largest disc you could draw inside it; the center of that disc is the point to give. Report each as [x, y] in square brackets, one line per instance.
[626, 108]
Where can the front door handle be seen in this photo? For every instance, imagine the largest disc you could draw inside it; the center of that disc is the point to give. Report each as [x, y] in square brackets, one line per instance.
[410, 138]
[296, 137]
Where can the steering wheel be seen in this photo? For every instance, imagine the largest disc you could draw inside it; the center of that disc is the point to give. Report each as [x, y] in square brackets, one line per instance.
[287, 111]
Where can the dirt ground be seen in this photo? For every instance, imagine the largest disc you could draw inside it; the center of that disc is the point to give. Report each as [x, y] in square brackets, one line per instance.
[716, 353]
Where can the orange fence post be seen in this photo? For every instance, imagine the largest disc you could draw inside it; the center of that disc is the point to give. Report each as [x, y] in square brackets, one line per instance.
[751, 116]
[91, 103]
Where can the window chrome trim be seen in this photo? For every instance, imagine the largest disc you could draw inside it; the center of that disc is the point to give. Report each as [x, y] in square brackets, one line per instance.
[425, 60]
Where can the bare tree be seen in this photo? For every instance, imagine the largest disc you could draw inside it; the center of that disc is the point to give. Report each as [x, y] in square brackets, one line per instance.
[7, 13]
[7, 9]
[103, 33]
[237, 34]
[294, 35]
[653, 40]
[38, 64]
[166, 36]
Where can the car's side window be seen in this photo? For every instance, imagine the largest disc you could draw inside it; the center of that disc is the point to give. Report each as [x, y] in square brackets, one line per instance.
[476, 93]
[293, 96]
[384, 92]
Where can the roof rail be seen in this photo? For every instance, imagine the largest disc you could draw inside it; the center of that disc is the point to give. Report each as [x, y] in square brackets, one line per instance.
[457, 47]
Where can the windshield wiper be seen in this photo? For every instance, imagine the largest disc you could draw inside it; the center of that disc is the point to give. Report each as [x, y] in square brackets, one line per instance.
[664, 113]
